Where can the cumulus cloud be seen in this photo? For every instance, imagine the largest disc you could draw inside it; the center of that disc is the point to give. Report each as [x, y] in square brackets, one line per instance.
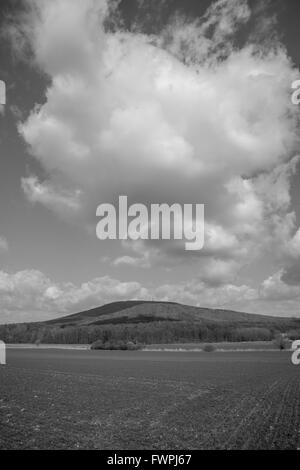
[183, 115]
[291, 273]
[30, 295]
[60, 201]
[3, 245]
[274, 288]
[218, 272]
[2, 96]
[131, 261]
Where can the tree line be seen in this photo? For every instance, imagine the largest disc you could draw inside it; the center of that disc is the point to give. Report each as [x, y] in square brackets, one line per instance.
[157, 332]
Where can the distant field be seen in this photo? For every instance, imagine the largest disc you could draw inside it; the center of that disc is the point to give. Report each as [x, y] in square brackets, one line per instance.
[221, 346]
[154, 400]
[47, 346]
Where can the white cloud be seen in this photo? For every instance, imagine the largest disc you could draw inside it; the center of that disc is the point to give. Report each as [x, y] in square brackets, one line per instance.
[131, 261]
[60, 201]
[180, 116]
[293, 246]
[3, 244]
[30, 295]
[208, 37]
[218, 272]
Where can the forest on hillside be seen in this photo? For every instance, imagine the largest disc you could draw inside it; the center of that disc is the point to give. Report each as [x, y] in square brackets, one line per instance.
[151, 332]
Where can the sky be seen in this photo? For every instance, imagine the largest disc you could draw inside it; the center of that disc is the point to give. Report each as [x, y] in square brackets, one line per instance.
[176, 102]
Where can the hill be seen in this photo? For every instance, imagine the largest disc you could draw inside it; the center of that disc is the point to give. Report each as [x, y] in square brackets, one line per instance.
[135, 311]
[149, 322]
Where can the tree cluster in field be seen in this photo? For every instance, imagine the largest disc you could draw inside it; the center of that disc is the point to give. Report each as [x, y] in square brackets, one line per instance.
[155, 332]
[116, 345]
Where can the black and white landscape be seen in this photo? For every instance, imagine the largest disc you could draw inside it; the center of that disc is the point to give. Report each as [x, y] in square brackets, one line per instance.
[120, 334]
